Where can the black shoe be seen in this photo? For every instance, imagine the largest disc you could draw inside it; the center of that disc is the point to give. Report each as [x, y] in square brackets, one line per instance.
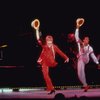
[51, 92]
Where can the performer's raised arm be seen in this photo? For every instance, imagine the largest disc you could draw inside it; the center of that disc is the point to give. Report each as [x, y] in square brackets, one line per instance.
[35, 24]
[77, 35]
[79, 23]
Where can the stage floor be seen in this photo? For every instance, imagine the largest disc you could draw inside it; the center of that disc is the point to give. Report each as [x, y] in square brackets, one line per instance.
[43, 94]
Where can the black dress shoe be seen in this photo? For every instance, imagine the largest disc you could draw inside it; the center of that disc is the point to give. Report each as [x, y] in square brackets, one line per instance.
[51, 92]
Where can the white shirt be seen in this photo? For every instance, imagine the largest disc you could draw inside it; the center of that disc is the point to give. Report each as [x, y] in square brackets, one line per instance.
[85, 51]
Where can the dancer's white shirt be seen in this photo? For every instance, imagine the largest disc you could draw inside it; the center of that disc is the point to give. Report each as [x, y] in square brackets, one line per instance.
[86, 51]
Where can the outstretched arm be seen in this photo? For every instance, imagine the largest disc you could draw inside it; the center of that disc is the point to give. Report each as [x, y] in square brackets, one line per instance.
[35, 24]
[77, 35]
[37, 34]
[94, 58]
[62, 54]
[92, 55]
[77, 38]
[38, 37]
[79, 23]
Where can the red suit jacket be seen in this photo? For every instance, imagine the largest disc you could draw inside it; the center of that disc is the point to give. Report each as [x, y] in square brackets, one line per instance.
[47, 57]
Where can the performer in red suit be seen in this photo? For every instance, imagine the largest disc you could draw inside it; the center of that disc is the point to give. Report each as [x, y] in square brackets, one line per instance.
[47, 58]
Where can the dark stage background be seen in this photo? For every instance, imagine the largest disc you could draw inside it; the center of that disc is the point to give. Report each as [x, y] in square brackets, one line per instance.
[56, 18]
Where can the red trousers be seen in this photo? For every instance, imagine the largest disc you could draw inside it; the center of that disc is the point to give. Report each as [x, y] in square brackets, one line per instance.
[45, 71]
